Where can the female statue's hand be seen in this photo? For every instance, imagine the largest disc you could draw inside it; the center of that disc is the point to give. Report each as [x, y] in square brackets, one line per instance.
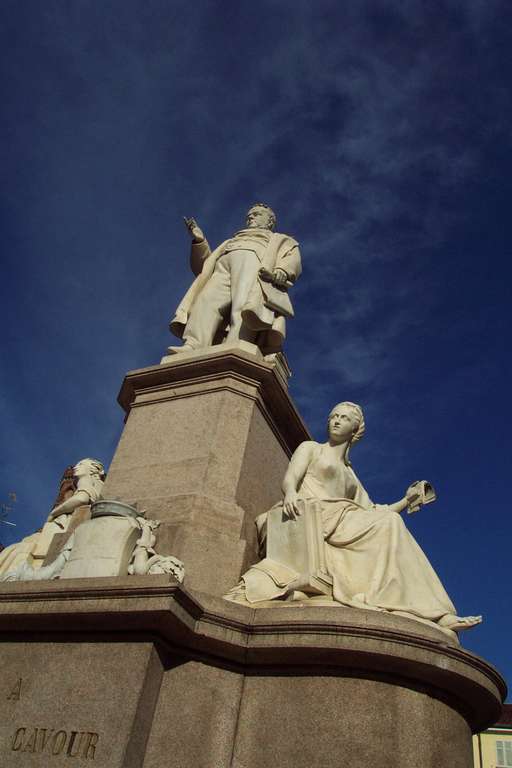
[413, 498]
[290, 506]
[419, 493]
[56, 512]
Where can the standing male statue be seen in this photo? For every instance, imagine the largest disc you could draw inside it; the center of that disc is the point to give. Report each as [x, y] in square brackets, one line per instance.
[240, 290]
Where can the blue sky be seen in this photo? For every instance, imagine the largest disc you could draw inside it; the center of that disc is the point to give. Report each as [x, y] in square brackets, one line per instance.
[380, 134]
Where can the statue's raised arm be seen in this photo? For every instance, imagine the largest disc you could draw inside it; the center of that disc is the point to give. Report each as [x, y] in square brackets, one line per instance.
[199, 247]
[195, 232]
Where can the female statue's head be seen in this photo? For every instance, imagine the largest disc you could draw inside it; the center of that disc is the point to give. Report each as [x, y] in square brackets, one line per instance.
[346, 424]
[89, 468]
[89, 476]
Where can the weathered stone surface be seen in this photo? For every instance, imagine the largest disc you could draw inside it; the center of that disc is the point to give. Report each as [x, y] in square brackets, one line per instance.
[330, 720]
[208, 695]
[164, 676]
[92, 701]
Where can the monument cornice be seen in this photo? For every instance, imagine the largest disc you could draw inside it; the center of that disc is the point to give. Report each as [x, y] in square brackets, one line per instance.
[233, 370]
[281, 639]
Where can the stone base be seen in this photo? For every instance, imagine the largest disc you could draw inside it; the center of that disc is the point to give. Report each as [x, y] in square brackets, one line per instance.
[205, 447]
[141, 673]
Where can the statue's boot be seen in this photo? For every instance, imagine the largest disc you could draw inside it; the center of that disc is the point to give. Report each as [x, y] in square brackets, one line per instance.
[179, 350]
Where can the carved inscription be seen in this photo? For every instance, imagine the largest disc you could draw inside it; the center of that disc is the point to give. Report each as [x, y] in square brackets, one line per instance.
[15, 694]
[52, 742]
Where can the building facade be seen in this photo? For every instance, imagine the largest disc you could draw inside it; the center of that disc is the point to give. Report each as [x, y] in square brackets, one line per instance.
[493, 748]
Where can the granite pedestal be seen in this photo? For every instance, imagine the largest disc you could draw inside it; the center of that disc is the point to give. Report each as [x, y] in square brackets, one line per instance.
[205, 447]
[140, 672]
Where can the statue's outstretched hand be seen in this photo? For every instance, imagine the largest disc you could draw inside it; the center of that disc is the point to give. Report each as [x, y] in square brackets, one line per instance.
[419, 493]
[290, 507]
[195, 231]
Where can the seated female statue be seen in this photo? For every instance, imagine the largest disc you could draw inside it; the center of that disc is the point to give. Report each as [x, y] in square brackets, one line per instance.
[88, 478]
[369, 555]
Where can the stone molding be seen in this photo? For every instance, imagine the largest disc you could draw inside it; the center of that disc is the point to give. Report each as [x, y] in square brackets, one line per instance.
[234, 370]
[337, 641]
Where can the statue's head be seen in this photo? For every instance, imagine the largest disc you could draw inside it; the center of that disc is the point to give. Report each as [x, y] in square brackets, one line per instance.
[88, 468]
[260, 216]
[346, 423]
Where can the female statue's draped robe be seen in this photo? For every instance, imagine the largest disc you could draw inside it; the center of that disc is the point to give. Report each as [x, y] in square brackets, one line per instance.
[374, 561]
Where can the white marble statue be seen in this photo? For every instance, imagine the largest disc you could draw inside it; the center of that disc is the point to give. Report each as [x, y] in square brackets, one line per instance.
[116, 541]
[89, 478]
[240, 290]
[26, 572]
[368, 558]
[145, 559]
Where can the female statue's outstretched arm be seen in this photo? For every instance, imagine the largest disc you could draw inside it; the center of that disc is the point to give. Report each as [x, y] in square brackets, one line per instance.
[398, 506]
[89, 475]
[417, 494]
[78, 499]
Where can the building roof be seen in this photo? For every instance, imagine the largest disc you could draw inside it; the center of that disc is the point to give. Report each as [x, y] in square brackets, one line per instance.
[506, 716]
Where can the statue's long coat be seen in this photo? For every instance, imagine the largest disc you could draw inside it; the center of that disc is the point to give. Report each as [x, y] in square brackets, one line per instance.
[281, 252]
